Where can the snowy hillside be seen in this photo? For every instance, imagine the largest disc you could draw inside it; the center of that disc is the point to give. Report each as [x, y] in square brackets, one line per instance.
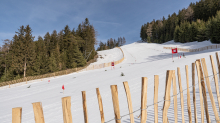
[190, 45]
[110, 55]
[141, 60]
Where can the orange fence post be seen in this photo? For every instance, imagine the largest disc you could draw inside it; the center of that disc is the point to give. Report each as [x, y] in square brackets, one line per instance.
[38, 112]
[66, 105]
[115, 100]
[128, 94]
[16, 115]
[100, 105]
[85, 107]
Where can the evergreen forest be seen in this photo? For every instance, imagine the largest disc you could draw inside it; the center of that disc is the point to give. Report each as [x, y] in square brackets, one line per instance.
[199, 22]
[23, 56]
[111, 43]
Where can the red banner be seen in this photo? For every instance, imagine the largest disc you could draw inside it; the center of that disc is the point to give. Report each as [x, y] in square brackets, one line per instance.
[113, 63]
[174, 50]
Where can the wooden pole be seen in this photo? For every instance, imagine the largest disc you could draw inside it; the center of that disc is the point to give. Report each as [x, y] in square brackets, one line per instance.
[167, 97]
[128, 94]
[181, 94]
[26, 79]
[38, 112]
[194, 92]
[216, 80]
[144, 100]
[175, 97]
[100, 105]
[209, 89]
[66, 105]
[86, 120]
[156, 84]
[16, 115]
[115, 101]
[200, 90]
[204, 92]
[188, 95]
[218, 64]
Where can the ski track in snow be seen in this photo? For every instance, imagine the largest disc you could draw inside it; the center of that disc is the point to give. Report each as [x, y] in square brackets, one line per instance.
[151, 59]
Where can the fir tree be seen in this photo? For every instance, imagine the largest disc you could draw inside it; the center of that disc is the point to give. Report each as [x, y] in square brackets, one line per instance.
[78, 57]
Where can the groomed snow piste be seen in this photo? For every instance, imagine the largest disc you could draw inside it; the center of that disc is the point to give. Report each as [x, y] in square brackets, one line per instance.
[141, 60]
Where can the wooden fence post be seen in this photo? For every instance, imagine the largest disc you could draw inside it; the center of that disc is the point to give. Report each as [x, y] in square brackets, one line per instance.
[204, 92]
[167, 96]
[218, 64]
[200, 91]
[16, 115]
[188, 95]
[115, 101]
[156, 84]
[194, 92]
[128, 94]
[86, 120]
[38, 112]
[26, 79]
[66, 105]
[181, 94]
[175, 97]
[209, 89]
[100, 105]
[144, 100]
[216, 80]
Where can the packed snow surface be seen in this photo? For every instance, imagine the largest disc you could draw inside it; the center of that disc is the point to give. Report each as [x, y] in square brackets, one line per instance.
[141, 60]
[110, 55]
[189, 45]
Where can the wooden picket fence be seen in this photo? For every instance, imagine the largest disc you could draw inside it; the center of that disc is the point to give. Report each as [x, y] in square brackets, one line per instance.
[198, 66]
[195, 50]
[63, 72]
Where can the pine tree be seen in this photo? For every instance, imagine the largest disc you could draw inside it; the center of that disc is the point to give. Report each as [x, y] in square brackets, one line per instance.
[213, 27]
[53, 41]
[201, 35]
[177, 34]
[52, 63]
[47, 38]
[123, 41]
[28, 51]
[64, 59]
[57, 55]
[42, 58]
[78, 57]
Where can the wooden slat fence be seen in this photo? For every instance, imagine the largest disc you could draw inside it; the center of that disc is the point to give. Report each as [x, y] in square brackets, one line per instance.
[63, 72]
[198, 67]
[195, 50]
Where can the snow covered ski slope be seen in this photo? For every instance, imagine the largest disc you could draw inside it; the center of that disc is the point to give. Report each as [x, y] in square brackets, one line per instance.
[141, 60]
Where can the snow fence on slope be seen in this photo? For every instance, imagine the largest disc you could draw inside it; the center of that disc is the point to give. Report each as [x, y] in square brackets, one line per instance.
[191, 46]
[103, 65]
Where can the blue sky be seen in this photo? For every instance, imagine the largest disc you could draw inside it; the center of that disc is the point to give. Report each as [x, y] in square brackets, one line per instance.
[111, 18]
